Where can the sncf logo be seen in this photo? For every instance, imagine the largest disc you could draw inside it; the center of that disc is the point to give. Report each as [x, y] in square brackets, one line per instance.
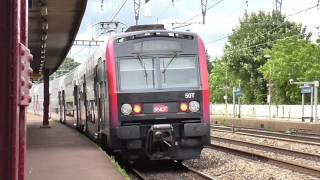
[160, 108]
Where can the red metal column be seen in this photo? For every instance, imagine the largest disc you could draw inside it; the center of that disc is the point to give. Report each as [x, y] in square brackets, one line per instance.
[46, 98]
[8, 89]
[14, 87]
[25, 71]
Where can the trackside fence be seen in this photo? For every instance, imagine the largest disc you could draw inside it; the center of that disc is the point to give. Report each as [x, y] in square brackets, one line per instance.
[293, 112]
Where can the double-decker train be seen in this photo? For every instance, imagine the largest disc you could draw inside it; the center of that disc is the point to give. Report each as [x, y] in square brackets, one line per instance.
[143, 94]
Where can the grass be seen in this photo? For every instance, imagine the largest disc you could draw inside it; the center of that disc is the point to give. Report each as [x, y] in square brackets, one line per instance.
[223, 122]
[119, 168]
[270, 129]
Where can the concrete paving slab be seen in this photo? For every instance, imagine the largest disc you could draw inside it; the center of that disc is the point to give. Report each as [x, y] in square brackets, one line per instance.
[62, 153]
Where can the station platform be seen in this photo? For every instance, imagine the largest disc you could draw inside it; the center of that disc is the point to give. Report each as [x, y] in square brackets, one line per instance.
[62, 153]
[268, 124]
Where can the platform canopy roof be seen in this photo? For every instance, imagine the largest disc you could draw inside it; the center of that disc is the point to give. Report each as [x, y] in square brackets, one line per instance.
[53, 26]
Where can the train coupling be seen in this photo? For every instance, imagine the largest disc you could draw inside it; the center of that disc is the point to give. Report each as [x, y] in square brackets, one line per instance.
[163, 133]
[160, 139]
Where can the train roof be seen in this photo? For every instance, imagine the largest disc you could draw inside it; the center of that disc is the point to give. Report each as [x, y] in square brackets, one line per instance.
[155, 33]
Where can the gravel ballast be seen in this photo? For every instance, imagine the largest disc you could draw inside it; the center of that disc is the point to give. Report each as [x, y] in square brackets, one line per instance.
[228, 166]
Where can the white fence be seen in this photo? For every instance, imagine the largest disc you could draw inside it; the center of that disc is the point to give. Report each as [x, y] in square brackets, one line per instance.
[262, 111]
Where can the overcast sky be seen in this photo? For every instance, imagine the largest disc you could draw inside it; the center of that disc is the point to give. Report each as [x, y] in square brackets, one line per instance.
[220, 19]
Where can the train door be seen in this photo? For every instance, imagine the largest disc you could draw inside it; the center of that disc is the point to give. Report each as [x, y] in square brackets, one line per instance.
[64, 111]
[83, 107]
[76, 103]
[103, 102]
[60, 106]
[95, 106]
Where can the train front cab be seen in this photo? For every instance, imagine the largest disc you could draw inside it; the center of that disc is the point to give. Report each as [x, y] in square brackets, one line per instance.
[161, 94]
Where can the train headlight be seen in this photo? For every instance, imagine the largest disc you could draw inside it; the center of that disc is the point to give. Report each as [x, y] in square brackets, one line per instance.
[183, 107]
[137, 108]
[194, 106]
[126, 109]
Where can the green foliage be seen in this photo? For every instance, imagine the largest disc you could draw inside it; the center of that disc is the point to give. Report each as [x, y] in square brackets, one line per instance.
[291, 58]
[209, 63]
[221, 81]
[244, 52]
[67, 65]
[119, 168]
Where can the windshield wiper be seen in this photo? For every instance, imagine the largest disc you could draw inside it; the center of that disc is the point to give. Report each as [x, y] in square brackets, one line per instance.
[171, 60]
[144, 68]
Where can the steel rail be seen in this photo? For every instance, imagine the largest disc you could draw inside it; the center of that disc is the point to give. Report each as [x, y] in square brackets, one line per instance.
[188, 168]
[288, 164]
[205, 176]
[274, 137]
[138, 174]
[305, 155]
[308, 139]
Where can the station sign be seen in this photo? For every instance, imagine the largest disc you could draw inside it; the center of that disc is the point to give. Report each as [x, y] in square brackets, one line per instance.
[237, 92]
[306, 89]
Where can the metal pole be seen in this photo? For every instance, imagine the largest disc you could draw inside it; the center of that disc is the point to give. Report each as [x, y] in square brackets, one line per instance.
[269, 89]
[269, 99]
[239, 106]
[136, 5]
[204, 10]
[226, 102]
[45, 122]
[316, 85]
[302, 103]
[311, 103]
[226, 95]
[234, 102]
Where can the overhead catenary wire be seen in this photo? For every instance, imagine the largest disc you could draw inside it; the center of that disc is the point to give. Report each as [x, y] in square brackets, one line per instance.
[116, 14]
[215, 4]
[246, 4]
[77, 52]
[216, 40]
[184, 24]
[257, 45]
[304, 10]
[279, 25]
[224, 37]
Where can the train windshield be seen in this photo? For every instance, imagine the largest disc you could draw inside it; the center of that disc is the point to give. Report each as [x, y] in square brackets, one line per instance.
[137, 73]
[178, 72]
[158, 72]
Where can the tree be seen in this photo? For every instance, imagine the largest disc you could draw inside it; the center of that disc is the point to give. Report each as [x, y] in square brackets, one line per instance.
[244, 52]
[67, 65]
[291, 58]
[209, 63]
[221, 81]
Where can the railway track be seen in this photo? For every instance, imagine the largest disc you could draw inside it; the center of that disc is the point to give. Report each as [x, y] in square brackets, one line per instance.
[138, 174]
[199, 173]
[304, 139]
[193, 173]
[249, 148]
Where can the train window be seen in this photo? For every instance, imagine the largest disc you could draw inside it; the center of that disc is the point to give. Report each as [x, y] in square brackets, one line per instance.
[91, 111]
[69, 109]
[179, 72]
[137, 73]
